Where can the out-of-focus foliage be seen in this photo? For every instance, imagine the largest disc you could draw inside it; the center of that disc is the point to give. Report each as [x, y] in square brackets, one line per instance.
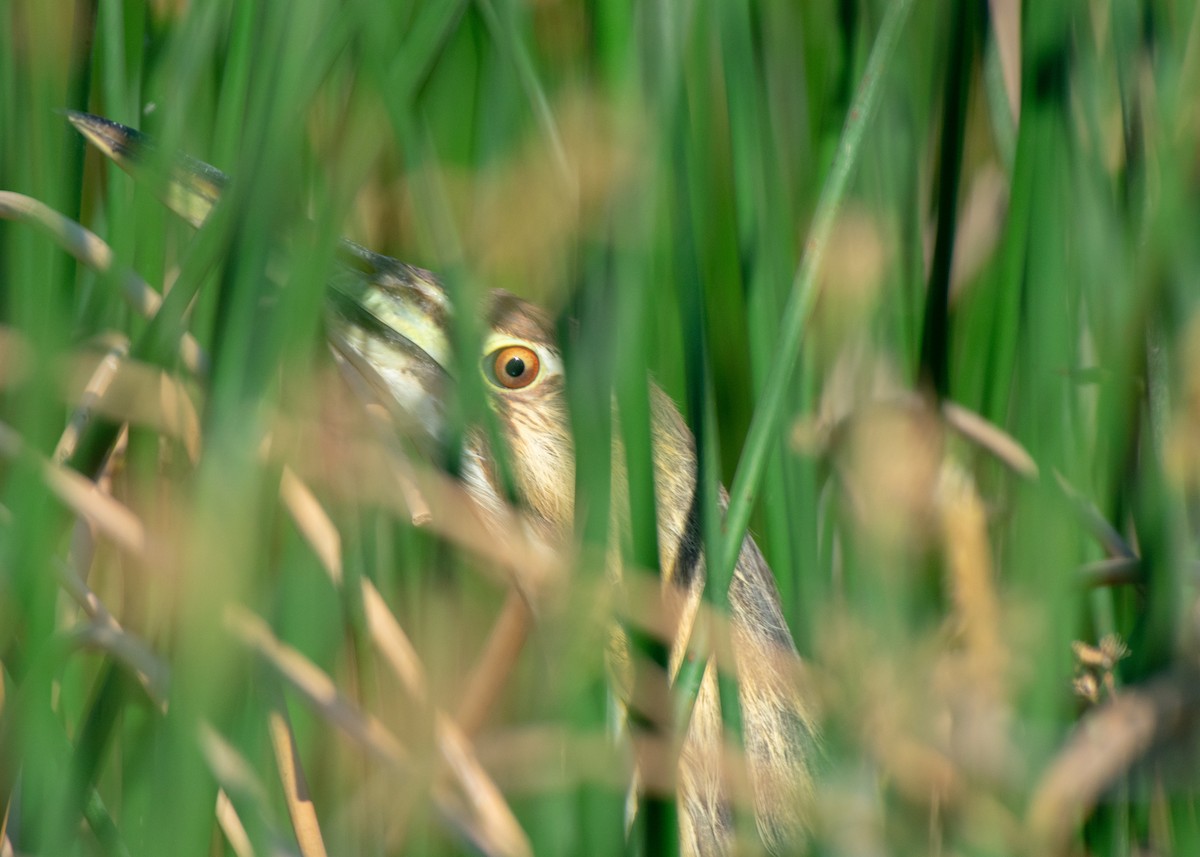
[980, 508]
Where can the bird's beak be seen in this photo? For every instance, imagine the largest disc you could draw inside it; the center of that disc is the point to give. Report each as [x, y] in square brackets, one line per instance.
[388, 322]
[190, 188]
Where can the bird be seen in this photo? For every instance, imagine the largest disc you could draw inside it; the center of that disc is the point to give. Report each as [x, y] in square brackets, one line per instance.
[391, 323]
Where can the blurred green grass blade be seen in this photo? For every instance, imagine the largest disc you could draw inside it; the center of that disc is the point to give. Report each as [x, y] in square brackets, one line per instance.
[770, 409]
[504, 33]
[422, 46]
[116, 25]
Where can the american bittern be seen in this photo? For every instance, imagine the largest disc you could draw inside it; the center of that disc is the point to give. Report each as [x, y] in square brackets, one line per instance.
[391, 322]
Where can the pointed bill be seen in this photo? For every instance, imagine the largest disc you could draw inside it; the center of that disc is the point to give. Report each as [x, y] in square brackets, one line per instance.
[190, 189]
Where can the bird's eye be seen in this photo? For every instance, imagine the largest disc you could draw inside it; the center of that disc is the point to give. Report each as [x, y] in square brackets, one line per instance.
[514, 366]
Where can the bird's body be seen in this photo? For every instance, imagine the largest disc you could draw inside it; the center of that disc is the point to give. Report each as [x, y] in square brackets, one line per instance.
[534, 422]
[390, 322]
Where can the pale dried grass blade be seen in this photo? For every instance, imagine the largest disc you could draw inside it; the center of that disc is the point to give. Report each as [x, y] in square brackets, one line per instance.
[84, 597]
[972, 584]
[313, 522]
[547, 758]
[179, 416]
[315, 686]
[138, 393]
[492, 819]
[486, 813]
[6, 848]
[391, 642]
[84, 498]
[495, 665]
[126, 391]
[114, 519]
[325, 540]
[151, 672]
[550, 758]
[91, 391]
[15, 355]
[370, 471]
[990, 437]
[494, 837]
[1104, 746]
[381, 418]
[419, 513]
[490, 816]
[231, 825]
[235, 776]
[89, 249]
[229, 768]
[295, 787]
[105, 632]
[485, 817]
[983, 217]
[455, 516]
[977, 675]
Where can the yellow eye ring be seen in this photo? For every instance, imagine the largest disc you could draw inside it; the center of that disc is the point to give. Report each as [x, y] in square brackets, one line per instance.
[514, 367]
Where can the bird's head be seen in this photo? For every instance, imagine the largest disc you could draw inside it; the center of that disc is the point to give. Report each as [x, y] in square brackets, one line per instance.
[390, 324]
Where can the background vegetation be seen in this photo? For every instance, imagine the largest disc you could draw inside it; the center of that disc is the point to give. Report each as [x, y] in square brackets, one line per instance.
[976, 409]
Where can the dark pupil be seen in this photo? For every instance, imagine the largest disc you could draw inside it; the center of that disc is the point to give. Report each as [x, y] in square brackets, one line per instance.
[515, 367]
